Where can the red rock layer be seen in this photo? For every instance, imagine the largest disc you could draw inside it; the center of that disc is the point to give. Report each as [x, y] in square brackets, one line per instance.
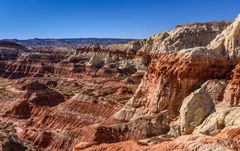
[72, 115]
[73, 118]
[15, 70]
[231, 134]
[232, 91]
[51, 140]
[18, 69]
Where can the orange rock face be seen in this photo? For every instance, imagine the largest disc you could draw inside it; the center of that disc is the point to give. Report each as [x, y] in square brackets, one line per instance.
[173, 77]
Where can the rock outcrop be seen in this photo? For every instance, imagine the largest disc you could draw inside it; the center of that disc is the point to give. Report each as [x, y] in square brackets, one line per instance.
[173, 77]
[182, 37]
[228, 40]
[137, 129]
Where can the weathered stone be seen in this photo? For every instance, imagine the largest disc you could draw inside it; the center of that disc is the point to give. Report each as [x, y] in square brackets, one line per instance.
[228, 40]
[222, 119]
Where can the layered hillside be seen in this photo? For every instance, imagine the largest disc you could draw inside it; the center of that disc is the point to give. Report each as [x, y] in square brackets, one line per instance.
[177, 90]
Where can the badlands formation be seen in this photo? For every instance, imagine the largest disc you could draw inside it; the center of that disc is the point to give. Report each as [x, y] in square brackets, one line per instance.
[177, 90]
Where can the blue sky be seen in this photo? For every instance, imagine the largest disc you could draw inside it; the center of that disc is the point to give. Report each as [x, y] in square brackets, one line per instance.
[25, 19]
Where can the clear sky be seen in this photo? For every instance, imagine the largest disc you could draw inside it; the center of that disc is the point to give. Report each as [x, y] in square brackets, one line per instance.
[25, 19]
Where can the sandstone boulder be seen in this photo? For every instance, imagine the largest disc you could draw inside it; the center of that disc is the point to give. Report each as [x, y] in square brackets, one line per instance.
[199, 104]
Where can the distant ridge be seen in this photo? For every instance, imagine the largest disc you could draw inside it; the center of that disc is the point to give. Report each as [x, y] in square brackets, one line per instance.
[72, 42]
